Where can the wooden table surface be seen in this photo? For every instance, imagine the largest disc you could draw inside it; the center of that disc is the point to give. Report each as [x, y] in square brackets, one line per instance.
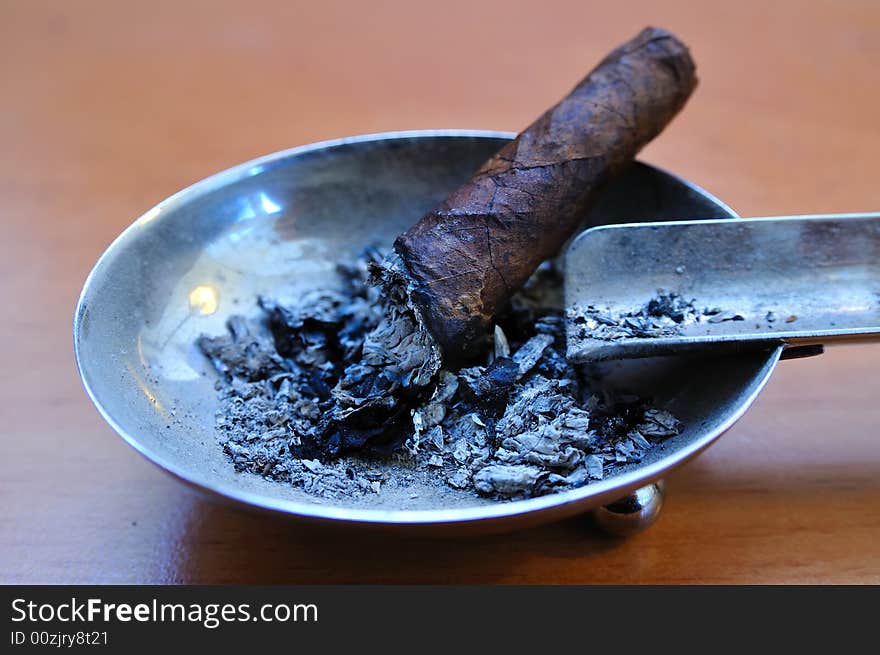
[108, 107]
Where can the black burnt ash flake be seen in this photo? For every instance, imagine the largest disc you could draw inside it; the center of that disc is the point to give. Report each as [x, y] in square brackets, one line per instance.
[489, 390]
[242, 353]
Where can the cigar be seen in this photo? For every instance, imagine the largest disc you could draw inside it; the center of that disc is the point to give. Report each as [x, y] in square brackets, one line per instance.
[465, 258]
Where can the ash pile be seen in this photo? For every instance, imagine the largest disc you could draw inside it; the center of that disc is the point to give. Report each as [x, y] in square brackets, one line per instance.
[304, 401]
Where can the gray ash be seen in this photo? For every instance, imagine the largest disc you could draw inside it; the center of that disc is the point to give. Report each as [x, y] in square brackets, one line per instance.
[664, 315]
[344, 393]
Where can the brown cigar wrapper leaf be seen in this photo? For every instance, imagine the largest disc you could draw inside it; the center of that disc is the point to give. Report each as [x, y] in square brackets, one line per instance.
[466, 257]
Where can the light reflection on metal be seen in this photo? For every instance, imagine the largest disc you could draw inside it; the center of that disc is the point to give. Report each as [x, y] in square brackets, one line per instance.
[247, 211]
[150, 215]
[140, 351]
[268, 205]
[204, 300]
[142, 385]
[261, 205]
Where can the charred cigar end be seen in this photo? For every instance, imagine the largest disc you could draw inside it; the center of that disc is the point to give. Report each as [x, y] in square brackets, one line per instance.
[461, 333]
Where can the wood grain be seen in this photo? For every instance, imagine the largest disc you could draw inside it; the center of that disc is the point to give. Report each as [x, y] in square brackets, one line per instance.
[108, 107]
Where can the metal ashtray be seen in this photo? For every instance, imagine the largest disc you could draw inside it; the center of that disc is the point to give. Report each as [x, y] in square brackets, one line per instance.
[281, 222]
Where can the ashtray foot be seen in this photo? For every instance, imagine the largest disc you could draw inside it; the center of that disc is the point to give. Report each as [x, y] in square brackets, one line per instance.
[632, 513]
